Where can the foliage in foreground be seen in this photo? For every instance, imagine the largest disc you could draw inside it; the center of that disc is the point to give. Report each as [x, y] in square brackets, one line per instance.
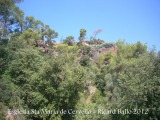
[59, 79]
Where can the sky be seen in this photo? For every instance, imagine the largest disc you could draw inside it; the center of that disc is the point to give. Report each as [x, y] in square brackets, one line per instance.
[129, 20]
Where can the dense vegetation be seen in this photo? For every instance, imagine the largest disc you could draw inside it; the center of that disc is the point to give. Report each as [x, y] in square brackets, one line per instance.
[89, 76]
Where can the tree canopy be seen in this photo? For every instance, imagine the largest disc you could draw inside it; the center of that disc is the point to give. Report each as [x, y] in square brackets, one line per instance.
[92, 80]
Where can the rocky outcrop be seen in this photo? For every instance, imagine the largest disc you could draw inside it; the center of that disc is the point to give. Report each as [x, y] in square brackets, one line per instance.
[91, 91]
[113, 49]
